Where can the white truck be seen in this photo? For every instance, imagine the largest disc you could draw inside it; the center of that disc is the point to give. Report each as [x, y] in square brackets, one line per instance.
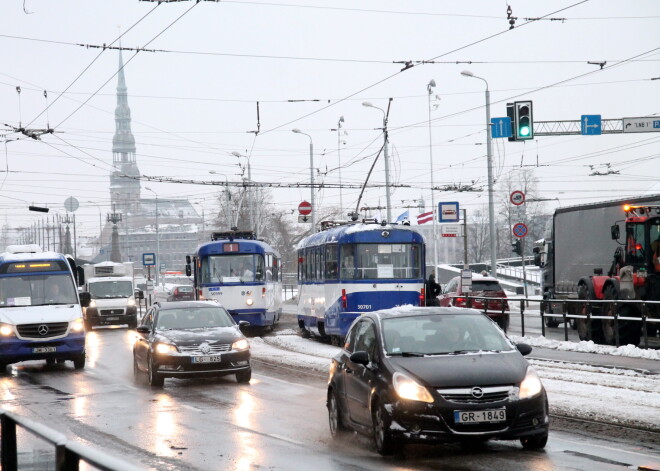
[111, 286]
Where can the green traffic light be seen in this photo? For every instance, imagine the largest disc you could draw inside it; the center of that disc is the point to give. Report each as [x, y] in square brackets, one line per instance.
[524, 131]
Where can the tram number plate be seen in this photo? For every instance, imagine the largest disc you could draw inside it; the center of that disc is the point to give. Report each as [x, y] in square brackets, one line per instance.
[44, 349]
[479, 416]
[207, 359]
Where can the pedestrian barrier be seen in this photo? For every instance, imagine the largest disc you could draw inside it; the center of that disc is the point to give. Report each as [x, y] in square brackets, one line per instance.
[68, 453]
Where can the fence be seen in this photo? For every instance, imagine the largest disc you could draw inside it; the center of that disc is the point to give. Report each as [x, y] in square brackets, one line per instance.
[68, 453]
[566, 315]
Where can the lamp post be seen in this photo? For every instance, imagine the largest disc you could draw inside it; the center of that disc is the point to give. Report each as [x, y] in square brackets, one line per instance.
[157, 237]
[311, 175]
[429, 88]
[491, 203]
[249, 192]
[387, 162]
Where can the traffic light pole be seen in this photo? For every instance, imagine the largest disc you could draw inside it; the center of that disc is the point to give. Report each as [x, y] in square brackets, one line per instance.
[491, 203]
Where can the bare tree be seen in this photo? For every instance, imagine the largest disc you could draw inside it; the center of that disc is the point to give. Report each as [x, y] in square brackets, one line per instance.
[479, 240]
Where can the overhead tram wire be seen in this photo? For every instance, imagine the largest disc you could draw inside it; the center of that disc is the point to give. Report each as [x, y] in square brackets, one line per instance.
[89, 65]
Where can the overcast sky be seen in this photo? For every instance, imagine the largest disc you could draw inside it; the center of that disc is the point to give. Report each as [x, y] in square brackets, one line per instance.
[308, 63]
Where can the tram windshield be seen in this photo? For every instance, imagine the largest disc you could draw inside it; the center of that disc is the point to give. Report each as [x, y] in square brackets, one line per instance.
[381, 261]
[239, 268]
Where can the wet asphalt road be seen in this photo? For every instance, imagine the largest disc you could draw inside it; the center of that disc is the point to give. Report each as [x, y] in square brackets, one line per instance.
[278, 422]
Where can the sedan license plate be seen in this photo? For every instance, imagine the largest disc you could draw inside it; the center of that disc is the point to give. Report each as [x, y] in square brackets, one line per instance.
[112, 318]
[44, 349]
[479, 416]
[207, 359]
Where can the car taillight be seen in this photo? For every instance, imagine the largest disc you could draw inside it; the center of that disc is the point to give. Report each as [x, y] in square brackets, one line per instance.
[422, 297]
[344, 299]
[459, 301]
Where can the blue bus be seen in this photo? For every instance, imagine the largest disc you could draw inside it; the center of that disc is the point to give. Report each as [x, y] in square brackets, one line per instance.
[242, 274]
[352, 268]
[40, 310]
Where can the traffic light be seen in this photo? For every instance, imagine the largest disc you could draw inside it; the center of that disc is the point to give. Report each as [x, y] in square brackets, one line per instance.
[516, 247]
[523, 122]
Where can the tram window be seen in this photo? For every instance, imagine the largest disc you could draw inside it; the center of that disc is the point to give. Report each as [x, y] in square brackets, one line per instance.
[331, 262]
[348, 262]
[269, 267]
[319, 264]
[259, 273]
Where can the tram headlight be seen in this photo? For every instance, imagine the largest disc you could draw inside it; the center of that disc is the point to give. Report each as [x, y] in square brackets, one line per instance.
[249, 301]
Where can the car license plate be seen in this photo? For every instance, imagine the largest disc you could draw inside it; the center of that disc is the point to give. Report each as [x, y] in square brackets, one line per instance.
[207, 359]
[114, 318]
[44, 349]
[479, 416]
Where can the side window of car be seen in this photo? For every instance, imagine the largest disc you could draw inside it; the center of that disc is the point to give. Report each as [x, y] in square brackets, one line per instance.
[149, 319]
[365, 339]
[350, 339]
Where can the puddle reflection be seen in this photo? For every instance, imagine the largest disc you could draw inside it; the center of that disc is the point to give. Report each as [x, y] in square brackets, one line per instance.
[243, 417]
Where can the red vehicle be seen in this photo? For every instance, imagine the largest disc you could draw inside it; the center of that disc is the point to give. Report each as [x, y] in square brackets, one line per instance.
[482, 287]
[182, 293]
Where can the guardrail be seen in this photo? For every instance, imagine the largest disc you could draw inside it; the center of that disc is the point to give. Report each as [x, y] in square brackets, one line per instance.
[68, 453]
[566, 316]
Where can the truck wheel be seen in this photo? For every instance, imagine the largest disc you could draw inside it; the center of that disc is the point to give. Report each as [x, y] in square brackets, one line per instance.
[596, 331]
[79, 362]
[630, 332]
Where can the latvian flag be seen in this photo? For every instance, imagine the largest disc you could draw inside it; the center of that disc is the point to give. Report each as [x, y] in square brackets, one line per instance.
[425, 217]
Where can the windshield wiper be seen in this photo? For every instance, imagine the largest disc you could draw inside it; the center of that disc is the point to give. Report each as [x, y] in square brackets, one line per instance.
[407, 354]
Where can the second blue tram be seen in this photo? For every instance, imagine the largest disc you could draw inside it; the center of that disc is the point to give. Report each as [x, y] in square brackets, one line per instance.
[350, 269]
[241, 273]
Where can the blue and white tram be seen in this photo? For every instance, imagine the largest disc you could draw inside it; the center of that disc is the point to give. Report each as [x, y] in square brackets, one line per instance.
[241, 273]
[350, 269]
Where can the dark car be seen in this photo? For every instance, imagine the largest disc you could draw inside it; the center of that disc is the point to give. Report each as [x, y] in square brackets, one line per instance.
[187, 339]
[430, 375]
[182, 293]
[482, 287]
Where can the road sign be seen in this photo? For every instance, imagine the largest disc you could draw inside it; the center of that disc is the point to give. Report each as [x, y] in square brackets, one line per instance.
[466, 281]
[517, 197]
[71, 204]
[649, 124]
[448, 212]
[303, 218]
[590, 124]
[500, 127]
[450, 230]
[520, 230]
[305, 208]
[148, 259]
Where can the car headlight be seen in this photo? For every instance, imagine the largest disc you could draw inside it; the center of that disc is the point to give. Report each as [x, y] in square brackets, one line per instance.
[408, 388]
[6, 330]
[241, 344]
[77, 325]
[131, 302]
[249, 301]
[165, 348]
[531, 385]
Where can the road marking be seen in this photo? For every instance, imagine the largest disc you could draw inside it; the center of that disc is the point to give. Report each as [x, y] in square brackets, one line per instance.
[609, 448]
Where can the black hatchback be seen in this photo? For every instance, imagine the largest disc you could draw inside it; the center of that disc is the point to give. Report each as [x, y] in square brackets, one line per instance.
[435, 374]
[188, 339]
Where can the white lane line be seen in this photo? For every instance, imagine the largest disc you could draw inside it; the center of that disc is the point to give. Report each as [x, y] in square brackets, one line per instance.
[609, 448]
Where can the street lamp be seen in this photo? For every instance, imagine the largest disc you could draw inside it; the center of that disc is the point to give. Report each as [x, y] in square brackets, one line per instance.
[429, 88]
[157, 237]
[491, 204]
[311, 174]
[249, 191]
[387, 162]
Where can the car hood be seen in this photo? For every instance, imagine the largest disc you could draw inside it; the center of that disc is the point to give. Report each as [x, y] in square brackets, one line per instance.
[213, 335]
[466, 370]
[38, 314]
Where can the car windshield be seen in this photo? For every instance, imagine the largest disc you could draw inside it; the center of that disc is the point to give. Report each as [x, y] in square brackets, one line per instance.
[441, 335]
[193, 318]
[184, 289]
[110, 289]
[37, 290]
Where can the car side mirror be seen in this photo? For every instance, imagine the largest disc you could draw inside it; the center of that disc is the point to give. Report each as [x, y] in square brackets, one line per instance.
[524, 349]
[143, 329]
[361, 358]
[85, 299]
[139, 294]
[188, 270]
[615, 232]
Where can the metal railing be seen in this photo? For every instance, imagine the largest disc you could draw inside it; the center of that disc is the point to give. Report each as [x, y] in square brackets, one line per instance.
[68, 453]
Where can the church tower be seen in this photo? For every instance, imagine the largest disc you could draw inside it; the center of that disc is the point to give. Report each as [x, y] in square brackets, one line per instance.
[124, 192]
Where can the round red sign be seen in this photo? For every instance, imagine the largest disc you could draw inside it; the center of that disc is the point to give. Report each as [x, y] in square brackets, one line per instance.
[304, 208]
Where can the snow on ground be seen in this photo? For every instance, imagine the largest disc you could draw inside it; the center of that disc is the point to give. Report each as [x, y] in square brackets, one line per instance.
[589, 347]
[609, 395]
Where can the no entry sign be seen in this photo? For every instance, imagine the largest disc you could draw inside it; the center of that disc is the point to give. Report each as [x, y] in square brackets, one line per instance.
[305, 208]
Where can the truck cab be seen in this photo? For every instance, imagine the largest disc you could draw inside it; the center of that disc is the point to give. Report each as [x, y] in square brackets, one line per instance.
[111, 287]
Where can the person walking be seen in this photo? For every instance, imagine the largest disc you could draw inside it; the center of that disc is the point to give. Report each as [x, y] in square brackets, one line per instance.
[432, 291]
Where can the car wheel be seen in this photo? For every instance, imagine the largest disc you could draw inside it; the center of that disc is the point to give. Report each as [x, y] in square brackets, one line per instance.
[79, 362]
[155, 380]
[136, 370]
[551, 322]
[535, 442]
[244, 376]
[334, 415]
[385, 445]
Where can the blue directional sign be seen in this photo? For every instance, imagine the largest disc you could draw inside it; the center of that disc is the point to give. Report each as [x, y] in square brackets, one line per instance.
[591, 125]
[148, 259]
[500, 127]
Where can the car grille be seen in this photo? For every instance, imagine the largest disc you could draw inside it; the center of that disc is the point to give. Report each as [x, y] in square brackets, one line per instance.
[213, 349]
[42, 331]
[111, 312]
[466, 396]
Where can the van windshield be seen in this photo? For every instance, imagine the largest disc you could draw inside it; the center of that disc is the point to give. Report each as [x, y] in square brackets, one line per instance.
[37, 290]
[110, 289]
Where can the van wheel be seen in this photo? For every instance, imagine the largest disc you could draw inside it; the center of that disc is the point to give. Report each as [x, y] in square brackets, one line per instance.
[79, 362]
[88, 325]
